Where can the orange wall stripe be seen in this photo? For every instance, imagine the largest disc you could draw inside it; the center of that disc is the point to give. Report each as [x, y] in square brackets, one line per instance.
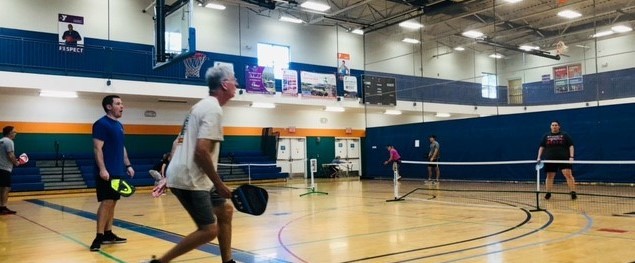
[140, 129]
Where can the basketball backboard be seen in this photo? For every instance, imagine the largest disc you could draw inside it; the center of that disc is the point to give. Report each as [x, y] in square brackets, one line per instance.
[175, 37]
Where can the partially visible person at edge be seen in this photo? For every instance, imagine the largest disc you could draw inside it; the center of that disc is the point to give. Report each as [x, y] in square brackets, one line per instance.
[394, 159]
[8, 160]
[557, 145]
[111, 162]
[192, 174]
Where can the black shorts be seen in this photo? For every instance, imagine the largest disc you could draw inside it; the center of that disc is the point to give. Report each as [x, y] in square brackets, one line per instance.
[5, 178]
[433, 164]
[554, 167]
[104, 191]
[200, 204]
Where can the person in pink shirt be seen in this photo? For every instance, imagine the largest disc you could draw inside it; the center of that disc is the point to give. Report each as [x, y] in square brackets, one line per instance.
[394, 158]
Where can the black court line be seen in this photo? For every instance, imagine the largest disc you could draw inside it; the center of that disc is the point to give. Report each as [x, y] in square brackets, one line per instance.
[239, 255]
[528, 217]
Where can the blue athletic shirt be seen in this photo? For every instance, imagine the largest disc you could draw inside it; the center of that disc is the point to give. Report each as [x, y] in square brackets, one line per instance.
[112, 134]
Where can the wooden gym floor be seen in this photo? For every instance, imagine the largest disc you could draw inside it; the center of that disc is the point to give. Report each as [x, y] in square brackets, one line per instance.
[353, 223]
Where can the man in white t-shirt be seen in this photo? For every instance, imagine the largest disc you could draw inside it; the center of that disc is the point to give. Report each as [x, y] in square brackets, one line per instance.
[192, 175]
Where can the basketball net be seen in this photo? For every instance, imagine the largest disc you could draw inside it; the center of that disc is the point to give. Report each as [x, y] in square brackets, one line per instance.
[193, 65]
[561, 48]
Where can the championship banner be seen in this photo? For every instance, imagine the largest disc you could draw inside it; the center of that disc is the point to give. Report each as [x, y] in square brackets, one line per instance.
[289, 82]
[318, 85]
[568, 78]
[343, 60]
[70, 38]
[350, 87]
[259, 80]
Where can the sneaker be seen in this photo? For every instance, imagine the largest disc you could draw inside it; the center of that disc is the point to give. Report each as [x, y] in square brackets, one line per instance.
[111, 238]
[548, 196]
[574, 196]
[6, 211]
[96, 245]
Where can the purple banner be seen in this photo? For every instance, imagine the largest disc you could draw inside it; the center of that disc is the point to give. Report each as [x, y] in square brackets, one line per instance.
[259, 80]
[70, 38]
[71, 19]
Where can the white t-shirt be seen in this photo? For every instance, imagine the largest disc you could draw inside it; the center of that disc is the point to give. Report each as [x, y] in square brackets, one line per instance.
[6, 146]
[203, 122]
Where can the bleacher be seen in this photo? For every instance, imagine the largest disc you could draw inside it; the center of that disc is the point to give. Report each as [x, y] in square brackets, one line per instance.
[26, 178]
[29, 177]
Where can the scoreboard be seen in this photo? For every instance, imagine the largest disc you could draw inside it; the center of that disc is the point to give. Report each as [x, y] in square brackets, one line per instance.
[379, 90]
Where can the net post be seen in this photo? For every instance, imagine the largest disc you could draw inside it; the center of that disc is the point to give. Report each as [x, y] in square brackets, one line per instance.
[312, 188]
[395, 181]
[539, 166]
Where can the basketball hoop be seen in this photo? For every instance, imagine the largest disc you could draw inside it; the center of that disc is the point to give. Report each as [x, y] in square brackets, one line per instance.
[561, 48]
[193, 64]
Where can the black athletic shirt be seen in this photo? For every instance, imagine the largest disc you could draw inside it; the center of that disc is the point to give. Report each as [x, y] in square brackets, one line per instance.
[556, 146]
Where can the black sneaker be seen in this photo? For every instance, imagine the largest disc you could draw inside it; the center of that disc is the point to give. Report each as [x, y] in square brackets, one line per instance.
[6, 211]
[111, 238]
[96, 245]
[548, 196]
[574, 196]
[153, 260]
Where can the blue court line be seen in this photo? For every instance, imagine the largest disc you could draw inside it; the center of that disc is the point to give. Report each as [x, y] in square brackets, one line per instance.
[239, 255]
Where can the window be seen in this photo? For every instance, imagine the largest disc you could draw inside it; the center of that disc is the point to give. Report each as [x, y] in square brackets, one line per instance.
[488, 86]
[274, 56]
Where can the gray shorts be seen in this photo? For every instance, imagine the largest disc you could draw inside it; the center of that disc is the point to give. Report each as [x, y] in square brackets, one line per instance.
[200, 204]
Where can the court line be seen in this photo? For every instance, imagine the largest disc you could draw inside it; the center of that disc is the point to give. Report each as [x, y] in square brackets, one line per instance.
[239, 255]
[72, 239]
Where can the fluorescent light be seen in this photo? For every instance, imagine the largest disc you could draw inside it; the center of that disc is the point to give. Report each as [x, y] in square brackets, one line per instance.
[569, 14]
[291, 19]
[358, 31]
[496, 56]
[513, 1]
[603, 33]
[393, 112]
[528, 48]
[58, 94]
[334, 109]
[621, 29]
[315, 6]
[442, 115]
[264, 105]
[215, 6]
[411, 40]
[472, 34]
[459, 48]
[410, 25]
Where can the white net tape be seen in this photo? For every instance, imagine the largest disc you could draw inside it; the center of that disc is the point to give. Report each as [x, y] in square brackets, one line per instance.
[193, 65]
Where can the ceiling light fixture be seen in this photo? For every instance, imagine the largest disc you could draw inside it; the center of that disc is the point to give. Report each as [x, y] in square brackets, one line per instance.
[334, 109]
[496, 56]
[264, 105]
[58, 94]
[216, 6]
[410, 25]
[603, 33]
[569, 14]
[473, 34]
[459, 48]
[411, 40]
[315, 6]
[392, 112]
[513, 1]
[443, 115]
[291, 19]
[528, 48]
[358, 31]
[621, 29]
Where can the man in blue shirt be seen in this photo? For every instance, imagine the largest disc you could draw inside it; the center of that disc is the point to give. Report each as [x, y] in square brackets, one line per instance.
[111, 161]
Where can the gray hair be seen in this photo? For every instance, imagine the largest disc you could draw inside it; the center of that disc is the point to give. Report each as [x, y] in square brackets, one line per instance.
[215, 76]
